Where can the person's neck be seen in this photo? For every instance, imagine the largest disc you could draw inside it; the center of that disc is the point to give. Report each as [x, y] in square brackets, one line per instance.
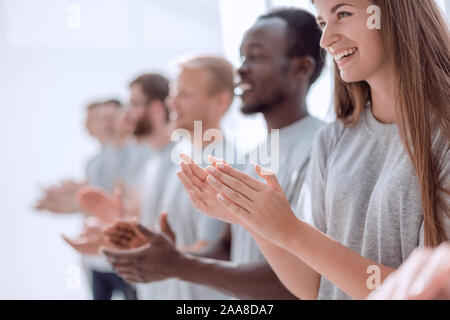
[159, 138]
[120, 141]
[382, 89]
[286, 113]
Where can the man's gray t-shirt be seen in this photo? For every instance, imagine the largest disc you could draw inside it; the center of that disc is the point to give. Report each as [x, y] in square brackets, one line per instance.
[295, 143]
[166, 193]
[361, 189]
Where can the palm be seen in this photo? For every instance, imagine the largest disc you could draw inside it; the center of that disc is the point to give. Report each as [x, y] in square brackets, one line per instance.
[100, 204]
[60, 199]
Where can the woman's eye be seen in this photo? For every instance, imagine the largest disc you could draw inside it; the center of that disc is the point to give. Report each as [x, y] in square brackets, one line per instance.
[343, 14]
[322, 25]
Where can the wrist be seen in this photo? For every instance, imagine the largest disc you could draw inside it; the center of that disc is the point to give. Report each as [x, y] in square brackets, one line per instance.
[291, 234]
[181, 264]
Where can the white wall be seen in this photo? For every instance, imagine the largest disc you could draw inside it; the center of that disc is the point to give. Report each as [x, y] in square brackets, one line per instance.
[48, 73]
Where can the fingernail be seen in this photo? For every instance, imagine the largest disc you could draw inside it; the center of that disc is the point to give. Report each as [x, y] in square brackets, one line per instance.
[211, 178]
[220, 165]
[220, 196]
[211, 169]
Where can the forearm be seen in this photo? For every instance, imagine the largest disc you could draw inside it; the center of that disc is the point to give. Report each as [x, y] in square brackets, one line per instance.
[249, 281]
[340, 265]
[216, 250]
[298, 277]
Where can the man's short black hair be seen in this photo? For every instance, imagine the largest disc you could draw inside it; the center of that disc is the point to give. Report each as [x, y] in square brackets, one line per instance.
[303, 36]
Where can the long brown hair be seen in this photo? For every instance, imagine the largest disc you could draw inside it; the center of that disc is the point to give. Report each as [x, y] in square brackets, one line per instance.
[416, 38]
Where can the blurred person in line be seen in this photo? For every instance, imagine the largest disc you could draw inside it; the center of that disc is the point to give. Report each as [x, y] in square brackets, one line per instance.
[149, 117]
[203, 92]
[102, 172]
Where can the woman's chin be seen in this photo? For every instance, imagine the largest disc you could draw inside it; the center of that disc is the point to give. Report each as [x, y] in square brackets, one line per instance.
[350, 77]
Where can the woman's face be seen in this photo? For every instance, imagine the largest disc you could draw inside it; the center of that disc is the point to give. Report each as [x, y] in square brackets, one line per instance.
[357, 50]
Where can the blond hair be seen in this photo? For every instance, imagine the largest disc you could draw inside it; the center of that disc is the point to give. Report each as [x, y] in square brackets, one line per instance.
[220, 71]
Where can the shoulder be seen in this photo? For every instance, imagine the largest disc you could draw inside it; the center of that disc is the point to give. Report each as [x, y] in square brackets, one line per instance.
[328, 136]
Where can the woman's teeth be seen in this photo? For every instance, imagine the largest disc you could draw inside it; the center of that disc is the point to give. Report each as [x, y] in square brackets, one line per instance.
[349, 52]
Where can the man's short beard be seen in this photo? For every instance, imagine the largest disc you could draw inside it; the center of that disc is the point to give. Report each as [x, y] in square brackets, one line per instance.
[264, 106]
[143, 128]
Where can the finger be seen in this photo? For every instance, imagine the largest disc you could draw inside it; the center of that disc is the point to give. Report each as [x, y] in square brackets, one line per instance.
[239, 175]
[433, 276]
[269, 176]
[132, 279]
[122, 255]
[125, 266]
[407, 272]
[120, 243]
[232, 207]
[184, 164]
[195, 168]
[185, 181]
[150, 235]
[117, 244]
[233, 183]
[229, 193]
[165, 226]
[214, 161]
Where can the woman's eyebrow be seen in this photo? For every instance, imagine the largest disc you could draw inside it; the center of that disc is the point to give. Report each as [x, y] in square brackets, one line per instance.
[335, 8]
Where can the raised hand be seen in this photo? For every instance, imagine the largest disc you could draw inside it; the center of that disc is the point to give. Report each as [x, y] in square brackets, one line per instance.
[60, 198]
[165, 226]
[157, 260]
[202, 195]
[125, 235]
[90, 241]
[424, 276]
[262, 207]
[105, 206]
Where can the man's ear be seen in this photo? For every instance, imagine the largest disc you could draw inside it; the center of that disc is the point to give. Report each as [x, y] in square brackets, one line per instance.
[224, 100]
[303, 68]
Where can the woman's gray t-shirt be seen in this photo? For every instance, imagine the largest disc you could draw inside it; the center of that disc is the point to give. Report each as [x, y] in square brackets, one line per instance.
[361, 189]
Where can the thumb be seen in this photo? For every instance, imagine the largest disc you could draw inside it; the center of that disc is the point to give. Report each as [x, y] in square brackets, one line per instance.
[150, 235]
[269, 176]
[165, 226]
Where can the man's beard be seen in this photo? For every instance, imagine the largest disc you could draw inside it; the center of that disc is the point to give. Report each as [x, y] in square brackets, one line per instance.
[143, 127]
[263, 106]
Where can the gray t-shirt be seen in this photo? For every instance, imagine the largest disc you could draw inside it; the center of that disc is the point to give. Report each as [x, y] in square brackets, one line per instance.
[113, 166]
[166, 193]
[295, 143]
[361, 189]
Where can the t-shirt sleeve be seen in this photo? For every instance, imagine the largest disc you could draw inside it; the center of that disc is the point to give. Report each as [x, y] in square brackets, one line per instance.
[311, 202]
